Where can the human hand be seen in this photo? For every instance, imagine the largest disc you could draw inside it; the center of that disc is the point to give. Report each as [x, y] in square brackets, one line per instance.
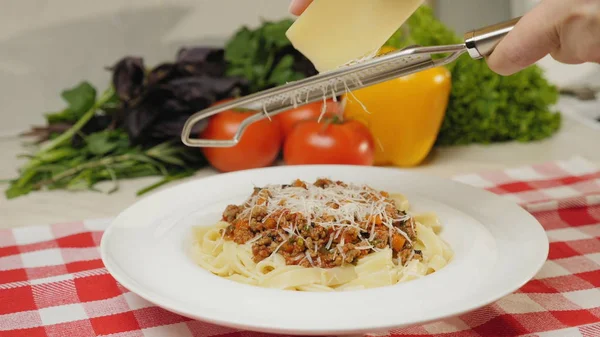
[298, 6]
[568, 30]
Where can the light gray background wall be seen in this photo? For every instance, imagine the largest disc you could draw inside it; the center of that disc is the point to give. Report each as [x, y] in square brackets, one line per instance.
[48, 45]
[465, 15]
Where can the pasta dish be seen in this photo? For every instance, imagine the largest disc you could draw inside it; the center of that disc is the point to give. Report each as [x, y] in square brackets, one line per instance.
[326, 236]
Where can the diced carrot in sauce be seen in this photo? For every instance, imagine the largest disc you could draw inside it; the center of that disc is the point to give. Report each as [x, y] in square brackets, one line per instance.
[348, 237]
[299, 183]
[398, 242]
[270, 223]
[376, 219]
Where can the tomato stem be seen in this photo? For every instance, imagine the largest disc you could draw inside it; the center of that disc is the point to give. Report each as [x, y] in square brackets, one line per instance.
[336, 119]
[332, 120]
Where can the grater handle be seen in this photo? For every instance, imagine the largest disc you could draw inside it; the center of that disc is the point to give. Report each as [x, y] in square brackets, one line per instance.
[481, 43]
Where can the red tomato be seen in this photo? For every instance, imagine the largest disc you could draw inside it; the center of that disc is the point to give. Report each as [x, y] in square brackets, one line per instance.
[345, 143]
[289, 119]
[258, 147]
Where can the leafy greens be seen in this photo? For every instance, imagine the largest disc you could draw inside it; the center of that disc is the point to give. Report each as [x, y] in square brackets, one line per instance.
[106, 155]
[265, 57]
[129, 130]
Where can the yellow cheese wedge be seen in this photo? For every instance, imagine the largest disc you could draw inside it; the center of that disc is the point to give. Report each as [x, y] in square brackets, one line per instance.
[332, 33]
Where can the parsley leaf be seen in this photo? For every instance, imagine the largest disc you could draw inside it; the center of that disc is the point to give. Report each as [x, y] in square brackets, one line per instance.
[79, 99]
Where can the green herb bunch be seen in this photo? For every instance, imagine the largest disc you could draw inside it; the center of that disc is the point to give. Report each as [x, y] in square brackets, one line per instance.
[485, 107]
[265, 57]
[72, 160]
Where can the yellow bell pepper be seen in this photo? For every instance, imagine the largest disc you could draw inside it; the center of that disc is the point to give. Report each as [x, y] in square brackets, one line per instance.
[404, 114]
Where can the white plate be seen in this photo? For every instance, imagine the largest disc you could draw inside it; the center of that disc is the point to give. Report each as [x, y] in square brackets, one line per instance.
[498, 247]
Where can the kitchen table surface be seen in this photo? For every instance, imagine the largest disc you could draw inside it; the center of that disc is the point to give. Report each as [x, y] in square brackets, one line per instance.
[38, 208]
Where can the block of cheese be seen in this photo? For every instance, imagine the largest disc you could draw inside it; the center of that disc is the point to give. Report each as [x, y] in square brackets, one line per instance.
[332, 33]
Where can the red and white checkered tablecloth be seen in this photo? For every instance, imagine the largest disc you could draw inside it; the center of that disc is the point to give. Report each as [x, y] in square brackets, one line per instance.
[53, 283]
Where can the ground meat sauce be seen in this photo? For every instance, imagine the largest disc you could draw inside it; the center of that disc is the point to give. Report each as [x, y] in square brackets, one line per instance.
[332, 237]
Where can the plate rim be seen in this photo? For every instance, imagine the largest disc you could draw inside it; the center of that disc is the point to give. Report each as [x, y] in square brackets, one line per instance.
[129, 283]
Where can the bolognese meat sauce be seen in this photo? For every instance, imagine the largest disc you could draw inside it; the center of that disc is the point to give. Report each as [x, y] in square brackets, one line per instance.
[326, 224]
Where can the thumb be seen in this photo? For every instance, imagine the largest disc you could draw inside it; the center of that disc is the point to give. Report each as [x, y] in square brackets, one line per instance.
[534, 37]
[298, 6]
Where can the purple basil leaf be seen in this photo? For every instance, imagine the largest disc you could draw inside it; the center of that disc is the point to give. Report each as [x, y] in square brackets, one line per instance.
[202, 61]
[172, 128]
[163, 73]
[139, 118]
[194, 54]
[175, 91]
[128, 78]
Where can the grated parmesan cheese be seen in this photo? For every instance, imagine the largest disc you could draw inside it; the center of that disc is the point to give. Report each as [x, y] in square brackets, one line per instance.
[277, 249]
[337, 207]
[254, 239]
[310, 260]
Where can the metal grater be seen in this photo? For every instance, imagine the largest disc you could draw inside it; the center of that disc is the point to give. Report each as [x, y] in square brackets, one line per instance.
[478, 43]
